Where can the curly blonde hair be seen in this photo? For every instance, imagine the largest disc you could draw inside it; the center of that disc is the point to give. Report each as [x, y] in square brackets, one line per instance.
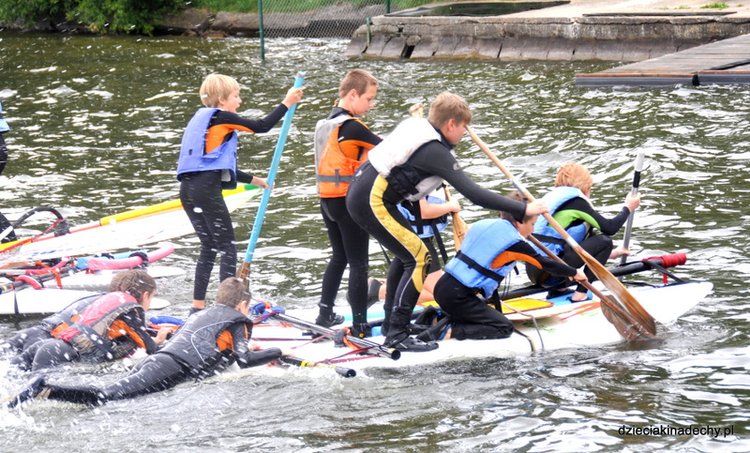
[572, 174]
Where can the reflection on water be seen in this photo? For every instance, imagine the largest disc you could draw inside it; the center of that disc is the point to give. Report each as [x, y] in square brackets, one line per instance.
[96, 125]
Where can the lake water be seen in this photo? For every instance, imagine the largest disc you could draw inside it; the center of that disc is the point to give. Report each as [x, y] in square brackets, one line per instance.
[96, 124]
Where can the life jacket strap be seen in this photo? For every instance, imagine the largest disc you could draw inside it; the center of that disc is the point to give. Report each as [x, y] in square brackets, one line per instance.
[478, 267]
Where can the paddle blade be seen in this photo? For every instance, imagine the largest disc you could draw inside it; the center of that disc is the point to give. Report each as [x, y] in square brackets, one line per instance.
[625, 325]
[619, 292]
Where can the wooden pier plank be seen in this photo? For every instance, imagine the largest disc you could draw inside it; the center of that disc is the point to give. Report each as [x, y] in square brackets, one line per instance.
[724, 61]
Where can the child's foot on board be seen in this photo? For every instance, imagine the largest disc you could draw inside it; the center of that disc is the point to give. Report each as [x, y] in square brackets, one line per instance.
[579, 297]
[362, 330]
[409, 344]
[328, 319]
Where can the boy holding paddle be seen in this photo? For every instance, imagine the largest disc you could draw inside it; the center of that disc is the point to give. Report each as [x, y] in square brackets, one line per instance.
[407, 165]
[207, 343]
[570, 205]
[488, 253]
[208, 164]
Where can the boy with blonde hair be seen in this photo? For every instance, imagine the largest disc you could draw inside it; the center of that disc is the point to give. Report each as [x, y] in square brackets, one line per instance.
[410, 163]
[342, 144]
[488, 254]
[570, 205]
[208, 164]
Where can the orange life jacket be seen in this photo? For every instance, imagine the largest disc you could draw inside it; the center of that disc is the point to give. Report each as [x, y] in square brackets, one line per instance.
[333, 166]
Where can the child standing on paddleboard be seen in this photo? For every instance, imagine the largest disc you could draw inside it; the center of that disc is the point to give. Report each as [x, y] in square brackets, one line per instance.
[342, 143]
[407, 165]
[208, 164]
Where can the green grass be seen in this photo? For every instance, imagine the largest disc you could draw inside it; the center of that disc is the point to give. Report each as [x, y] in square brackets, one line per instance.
[251, 6]
[716, 5]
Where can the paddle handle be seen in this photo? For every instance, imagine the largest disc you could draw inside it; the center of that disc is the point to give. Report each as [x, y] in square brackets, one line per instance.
[302, 363]
[299, 80]
[634, 191]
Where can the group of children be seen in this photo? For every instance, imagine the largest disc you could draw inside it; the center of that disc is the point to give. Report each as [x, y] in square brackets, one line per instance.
[369, 187]
[112, 326]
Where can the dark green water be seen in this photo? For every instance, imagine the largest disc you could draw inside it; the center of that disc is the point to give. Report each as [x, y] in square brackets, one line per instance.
[96, 128]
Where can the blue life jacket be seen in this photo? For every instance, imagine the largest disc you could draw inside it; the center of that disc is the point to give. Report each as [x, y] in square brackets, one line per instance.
[427, 230]
[193, 156]
[484, 242]
[3, 124]
[542, 229]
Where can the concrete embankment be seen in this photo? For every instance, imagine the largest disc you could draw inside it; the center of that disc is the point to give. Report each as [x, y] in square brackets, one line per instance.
[608, 30]
[579, 30]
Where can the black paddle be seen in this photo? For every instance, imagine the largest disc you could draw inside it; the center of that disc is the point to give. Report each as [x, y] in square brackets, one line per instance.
[370, 346]
[302, 363]
[634, 191]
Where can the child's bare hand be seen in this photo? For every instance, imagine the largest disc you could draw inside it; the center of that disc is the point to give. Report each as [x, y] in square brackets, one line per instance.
[453, 206]
[262, 183]
[618, 252]
[293, 96]
[536, 207]
[579, 276]
[632, 201]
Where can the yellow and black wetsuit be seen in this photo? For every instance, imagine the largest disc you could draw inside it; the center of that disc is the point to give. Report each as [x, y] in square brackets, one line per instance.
[372, 202]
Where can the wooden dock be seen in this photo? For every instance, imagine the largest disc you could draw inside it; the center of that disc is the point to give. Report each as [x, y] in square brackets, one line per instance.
[725, 62]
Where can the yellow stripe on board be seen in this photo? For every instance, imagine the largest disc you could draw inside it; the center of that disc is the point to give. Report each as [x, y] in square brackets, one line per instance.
[520, 304]
[525, 304]
[162, 207]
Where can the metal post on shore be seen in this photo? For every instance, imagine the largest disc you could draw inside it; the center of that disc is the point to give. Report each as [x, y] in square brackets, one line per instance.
[261, 33]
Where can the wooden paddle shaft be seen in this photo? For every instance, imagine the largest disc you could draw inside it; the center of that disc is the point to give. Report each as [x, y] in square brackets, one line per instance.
[603, 298]
[459, 226]
[626, 300]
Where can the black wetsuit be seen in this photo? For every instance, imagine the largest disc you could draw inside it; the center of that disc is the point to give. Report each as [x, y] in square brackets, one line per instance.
[43, 331]
[349, 242]
[51, 352]
[471, 316]
[200, 193]
[209, 341]
[372, 203]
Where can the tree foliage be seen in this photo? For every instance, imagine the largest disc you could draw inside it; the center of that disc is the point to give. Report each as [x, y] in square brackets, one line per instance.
[101, 16]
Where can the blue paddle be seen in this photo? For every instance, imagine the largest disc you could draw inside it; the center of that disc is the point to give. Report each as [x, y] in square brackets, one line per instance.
[260, 216]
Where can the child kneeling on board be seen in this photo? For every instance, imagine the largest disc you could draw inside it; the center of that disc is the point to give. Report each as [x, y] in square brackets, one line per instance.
[488, 253]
